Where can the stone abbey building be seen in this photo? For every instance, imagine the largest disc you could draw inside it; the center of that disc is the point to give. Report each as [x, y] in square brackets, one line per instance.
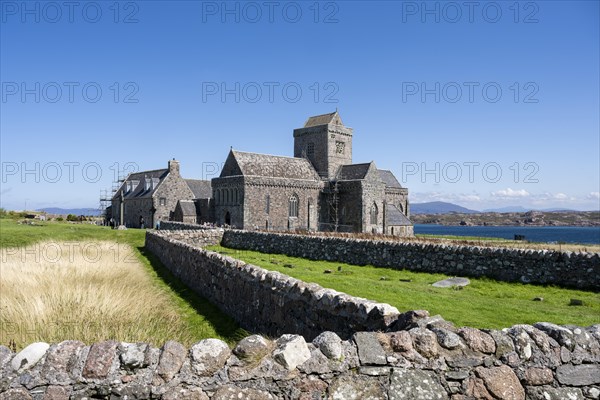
[319, 188]
[147, 197]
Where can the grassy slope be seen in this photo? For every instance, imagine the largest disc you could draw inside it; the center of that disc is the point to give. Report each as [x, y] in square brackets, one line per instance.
[484, 303]
[201, 317]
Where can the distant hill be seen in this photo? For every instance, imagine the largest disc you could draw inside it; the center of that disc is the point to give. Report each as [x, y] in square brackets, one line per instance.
[439, 207]
[507, 209]
[510, 209]
[75, 211]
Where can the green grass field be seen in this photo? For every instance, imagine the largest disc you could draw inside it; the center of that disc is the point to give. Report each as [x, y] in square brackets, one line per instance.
[195, 318]
[483, 304]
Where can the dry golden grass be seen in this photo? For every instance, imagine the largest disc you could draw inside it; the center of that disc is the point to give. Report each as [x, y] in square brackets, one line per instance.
[88, 291]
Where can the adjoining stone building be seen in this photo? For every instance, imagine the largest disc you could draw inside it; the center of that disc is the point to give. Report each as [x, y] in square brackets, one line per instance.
[148, 197]
[199, 210]
[259, 191]
[317, 189]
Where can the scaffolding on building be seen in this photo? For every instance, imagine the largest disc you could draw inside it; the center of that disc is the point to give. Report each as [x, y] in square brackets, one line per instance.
[106, 195]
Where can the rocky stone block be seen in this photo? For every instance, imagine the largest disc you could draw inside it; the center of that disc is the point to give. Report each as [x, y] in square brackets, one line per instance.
[551, 393]
[578, 375]
[61, 360]
[562, 335]
[357, 387]
[57, 393]
[330, 345]
[537, 376]
[477, 340]
[133, 355]
[370, 351]
[252, 347]
[100, 359]
[235, 393]
[15, 394]
[415, 385]
[401, 341]
[291, 351]
[425, 342]
[29, 356]
[501, 382]
[171, 359]
[209, 356]
[447, 339]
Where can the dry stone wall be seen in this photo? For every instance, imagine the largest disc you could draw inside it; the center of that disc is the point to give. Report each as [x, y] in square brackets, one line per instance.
[376, 354]
[261, 300]
[182, 226]
[577, 270]
[429, 359]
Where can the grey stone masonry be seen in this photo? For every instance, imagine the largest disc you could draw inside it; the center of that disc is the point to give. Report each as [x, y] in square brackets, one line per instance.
[182, 226]
[260, 300]
[370, 365]
[577, 270]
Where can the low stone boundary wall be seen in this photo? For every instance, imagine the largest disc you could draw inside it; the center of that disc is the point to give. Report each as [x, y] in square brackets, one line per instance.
[577, 270]
[196, 238]
[181, 226]
[432, 360]
[265, 301]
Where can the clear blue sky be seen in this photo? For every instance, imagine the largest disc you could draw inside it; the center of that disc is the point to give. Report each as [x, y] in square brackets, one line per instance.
[418, 83]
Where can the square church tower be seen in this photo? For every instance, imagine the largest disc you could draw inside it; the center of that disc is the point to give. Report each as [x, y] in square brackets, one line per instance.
[325, 142]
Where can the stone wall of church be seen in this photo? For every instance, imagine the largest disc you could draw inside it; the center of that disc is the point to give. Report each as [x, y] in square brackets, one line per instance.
[397, 197]
[373, 193]
[276, 216]
[229, 199]
[401, 231]
[351, 205]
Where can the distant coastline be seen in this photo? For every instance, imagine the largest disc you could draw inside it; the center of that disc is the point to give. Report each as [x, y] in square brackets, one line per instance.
[530, 218]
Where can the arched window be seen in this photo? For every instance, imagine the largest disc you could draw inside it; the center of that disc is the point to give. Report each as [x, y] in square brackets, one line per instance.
[226, 199]
[236, 196]
[374, 213]
[217, 197]
[231, 196]
[293, 210]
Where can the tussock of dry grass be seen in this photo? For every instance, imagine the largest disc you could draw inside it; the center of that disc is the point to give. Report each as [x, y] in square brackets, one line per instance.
[88, 291]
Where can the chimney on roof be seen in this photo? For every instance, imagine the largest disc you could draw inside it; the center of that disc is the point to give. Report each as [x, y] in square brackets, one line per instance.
[174, 167]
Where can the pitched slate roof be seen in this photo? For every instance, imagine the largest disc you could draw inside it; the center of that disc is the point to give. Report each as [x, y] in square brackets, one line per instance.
[395, 217]
[352, 172]
[255, 164]
[323, 119]
[389, 179]
[139, 191]
[201, 189]
[188, 207]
